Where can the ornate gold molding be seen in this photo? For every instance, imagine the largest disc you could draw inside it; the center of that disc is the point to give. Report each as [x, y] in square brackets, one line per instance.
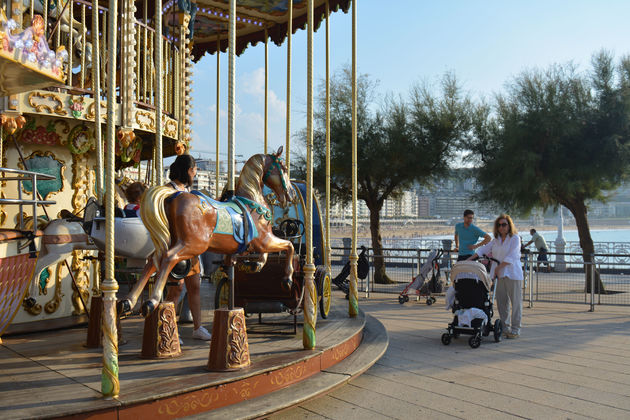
[56, 107]
[52, 305]
[145, 120]
[91, 111]
[80, 267]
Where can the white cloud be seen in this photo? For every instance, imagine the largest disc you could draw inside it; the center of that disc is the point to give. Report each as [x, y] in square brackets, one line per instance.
[253, 83]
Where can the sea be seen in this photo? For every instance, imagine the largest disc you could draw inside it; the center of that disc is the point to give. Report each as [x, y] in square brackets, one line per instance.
[598, 235]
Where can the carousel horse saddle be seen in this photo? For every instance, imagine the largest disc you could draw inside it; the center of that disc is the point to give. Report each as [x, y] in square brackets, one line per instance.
[230, 220]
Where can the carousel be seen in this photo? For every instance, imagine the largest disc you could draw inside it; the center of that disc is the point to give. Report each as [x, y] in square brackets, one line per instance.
[91, 88]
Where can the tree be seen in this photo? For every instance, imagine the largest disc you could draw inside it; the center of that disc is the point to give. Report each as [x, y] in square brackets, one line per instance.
[557, 137]
[403, 143]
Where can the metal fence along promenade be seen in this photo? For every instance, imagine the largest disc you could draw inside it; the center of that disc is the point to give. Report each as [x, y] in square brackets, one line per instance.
[565, 279]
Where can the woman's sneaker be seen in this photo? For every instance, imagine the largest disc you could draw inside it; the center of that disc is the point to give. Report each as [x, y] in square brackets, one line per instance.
[511, 335]
[201, 334]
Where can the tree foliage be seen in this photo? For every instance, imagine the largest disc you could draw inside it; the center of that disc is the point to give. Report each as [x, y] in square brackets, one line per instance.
[557, 137]
[400, 143]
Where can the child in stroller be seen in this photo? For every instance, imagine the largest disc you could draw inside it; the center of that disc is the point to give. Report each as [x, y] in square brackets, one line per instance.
[471, 303]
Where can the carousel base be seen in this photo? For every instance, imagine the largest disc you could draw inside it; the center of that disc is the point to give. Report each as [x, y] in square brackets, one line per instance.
[53, 374]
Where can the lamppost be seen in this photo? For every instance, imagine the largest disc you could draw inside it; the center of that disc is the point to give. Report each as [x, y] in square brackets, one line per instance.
[560, 243]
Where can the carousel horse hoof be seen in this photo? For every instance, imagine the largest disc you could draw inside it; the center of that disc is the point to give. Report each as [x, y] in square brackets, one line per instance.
[123, 307]
[147, 308]
[287, 284]
[29, 302]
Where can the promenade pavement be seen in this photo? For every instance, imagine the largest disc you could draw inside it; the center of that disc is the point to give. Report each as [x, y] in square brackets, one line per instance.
[568, 363]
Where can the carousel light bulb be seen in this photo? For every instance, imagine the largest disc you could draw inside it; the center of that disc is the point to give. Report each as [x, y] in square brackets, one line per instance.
[18, 44]
[46, 63]
[57, 63]
[11, 24]
[51, 55]
[32, 57]
[28, 44]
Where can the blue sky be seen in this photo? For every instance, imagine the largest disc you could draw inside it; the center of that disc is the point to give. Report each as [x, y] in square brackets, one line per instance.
[483, 42]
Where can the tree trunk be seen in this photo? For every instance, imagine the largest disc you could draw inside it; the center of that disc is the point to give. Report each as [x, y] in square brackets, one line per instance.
[377, 246]
[578, 209]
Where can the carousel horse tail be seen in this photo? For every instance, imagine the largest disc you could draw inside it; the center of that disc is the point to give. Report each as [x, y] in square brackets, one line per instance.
[154, 218]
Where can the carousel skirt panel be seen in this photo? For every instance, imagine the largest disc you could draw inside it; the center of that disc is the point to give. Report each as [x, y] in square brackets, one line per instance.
[16, 273]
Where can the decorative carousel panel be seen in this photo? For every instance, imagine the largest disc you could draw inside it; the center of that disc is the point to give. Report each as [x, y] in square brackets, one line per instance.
[26, 61]
[46, 163]
[15, 275]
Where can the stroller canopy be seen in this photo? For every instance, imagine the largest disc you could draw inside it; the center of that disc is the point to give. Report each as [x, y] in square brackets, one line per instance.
[471, 269]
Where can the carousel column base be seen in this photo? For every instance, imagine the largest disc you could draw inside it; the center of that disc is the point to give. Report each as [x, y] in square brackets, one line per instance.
[94, 332]
[161, 338]
[229, 349]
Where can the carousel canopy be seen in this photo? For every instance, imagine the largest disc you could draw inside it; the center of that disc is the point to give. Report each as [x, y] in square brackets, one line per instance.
[253, 17]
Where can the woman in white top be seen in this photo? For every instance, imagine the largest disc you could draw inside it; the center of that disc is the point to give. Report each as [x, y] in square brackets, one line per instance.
[506, 248]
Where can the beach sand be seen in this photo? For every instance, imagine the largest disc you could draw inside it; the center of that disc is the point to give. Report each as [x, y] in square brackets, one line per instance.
[440, 228]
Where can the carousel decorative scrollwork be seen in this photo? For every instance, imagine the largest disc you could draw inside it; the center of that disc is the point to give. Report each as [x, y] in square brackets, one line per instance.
[52, 305]
[46, 101]
[167, 337]
[81, 176]
[238, 349]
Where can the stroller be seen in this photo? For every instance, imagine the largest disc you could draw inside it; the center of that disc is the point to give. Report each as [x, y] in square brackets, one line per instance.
[472, 304]
[363, 269]
[420, 285]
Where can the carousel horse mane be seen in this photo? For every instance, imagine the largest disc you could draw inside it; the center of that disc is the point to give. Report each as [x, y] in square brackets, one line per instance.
[150, 208]
[251, 174]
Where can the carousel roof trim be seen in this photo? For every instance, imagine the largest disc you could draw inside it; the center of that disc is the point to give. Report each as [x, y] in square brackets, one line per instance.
[254, 17]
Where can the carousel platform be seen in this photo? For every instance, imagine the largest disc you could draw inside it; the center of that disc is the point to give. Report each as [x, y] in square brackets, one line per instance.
[53, 375]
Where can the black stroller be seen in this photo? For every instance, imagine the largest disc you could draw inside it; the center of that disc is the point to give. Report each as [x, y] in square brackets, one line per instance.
[472, 304]
[363, 268]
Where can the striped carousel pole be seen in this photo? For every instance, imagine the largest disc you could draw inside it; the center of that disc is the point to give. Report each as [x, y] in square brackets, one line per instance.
[110, 387]
[227, 353]
[159, 54]
[96, 88]
[266, 91]
[327, 247]
[310, 295]
[353, 297]
[216, 164]
[288, 129]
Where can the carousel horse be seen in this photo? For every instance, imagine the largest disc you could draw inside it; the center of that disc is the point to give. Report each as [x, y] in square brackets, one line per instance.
[184, 225]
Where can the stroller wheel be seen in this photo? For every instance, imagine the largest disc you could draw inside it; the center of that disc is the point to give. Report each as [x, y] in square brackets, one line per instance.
[475, 341]
[446, 339]
[406, 298]
[401, 299]
[498, 330]
[433, 299]
[429, 302]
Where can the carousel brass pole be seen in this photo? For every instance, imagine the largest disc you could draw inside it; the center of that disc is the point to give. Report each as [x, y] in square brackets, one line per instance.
[288, 133]
[96, 87]
[229, 348]
[353, 297]
[110, 386]
[231, 118]
[266, 89]
[216, 165]
[310, 295]
[159, 172]
[327, 247]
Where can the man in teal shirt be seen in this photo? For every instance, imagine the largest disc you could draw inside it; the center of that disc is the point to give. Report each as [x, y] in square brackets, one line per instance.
[467, 235]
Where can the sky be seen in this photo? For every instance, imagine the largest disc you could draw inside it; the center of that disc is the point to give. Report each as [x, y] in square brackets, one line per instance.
[485, 43]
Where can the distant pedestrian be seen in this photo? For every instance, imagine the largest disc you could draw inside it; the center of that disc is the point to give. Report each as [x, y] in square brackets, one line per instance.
[467, 235]
[506, 248]
[541, 246]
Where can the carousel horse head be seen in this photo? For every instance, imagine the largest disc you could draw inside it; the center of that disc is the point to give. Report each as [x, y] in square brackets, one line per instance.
[277, 179]
[269, 170]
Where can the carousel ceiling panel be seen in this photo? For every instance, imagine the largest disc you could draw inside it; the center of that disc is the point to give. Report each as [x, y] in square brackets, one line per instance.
[253, 17]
